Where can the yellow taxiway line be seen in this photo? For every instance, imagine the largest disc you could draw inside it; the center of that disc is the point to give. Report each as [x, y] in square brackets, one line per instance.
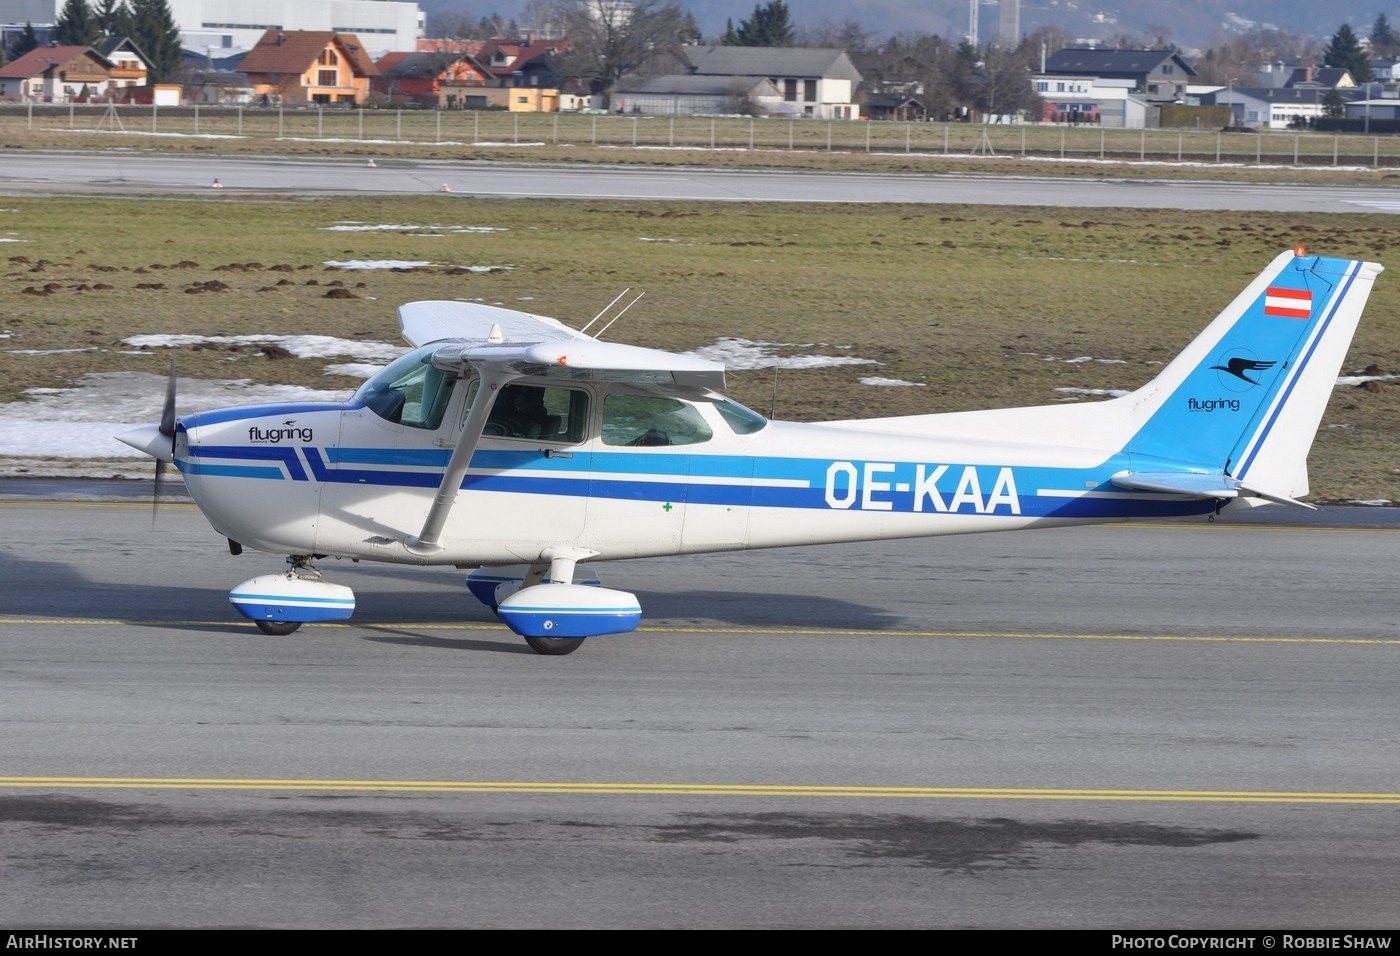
[694, 789]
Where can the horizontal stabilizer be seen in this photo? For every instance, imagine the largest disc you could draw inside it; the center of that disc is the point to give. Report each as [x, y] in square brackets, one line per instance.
[1195, 485]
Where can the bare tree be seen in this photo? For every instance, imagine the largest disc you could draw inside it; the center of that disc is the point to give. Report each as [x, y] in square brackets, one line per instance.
[927, 67]
[1044, 43]
[1006, 82]
[740, 102]
[613, 39]
[849, 36]
[1243, 56]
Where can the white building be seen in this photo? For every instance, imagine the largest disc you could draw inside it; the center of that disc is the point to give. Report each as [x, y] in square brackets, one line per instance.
[1110, 103]
[223, 27]
[816, 83]
[1268, 108]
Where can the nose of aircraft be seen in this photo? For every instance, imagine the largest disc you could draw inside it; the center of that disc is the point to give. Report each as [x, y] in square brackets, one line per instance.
[158, 441]
[152, 440]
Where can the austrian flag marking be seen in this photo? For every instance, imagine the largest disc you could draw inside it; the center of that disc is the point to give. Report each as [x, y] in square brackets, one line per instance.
[1288, 303]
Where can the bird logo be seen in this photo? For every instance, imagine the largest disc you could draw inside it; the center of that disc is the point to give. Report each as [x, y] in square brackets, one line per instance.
[1239, 366]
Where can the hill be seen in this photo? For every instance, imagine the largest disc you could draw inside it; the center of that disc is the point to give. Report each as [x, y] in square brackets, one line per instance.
[1190, 24]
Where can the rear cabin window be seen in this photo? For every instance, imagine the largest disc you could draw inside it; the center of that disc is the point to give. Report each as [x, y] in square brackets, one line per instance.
[645, 420]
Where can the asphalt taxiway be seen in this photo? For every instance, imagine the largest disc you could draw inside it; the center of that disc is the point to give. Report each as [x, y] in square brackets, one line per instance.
[1185, 725]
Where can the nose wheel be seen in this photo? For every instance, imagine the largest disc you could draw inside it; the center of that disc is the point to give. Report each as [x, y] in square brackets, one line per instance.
[280, 628]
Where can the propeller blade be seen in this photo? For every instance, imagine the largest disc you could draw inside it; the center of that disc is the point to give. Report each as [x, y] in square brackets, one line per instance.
[167, 414]
[155, 493]
[167, 430]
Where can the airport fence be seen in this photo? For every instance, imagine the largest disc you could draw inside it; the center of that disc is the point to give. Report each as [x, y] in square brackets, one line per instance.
[478, 128]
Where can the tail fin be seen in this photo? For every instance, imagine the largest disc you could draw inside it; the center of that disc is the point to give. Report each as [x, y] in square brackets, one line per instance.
[1236, 412]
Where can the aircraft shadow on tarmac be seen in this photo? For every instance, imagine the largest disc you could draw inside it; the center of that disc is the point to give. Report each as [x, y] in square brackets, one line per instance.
[40, 588]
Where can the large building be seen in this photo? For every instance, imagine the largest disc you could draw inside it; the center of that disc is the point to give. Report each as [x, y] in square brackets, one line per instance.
[222, 27]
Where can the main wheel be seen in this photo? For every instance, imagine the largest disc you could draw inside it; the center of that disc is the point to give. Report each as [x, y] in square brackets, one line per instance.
[278, 628]
[555, 646]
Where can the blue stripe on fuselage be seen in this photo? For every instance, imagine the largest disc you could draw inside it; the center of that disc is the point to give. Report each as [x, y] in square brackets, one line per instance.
[281, 453]
[722, 480]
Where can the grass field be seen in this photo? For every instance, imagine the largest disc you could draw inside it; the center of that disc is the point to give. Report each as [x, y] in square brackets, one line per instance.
[977, 306]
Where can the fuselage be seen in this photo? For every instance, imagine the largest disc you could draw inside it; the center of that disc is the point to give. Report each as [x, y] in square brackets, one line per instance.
[630, 468]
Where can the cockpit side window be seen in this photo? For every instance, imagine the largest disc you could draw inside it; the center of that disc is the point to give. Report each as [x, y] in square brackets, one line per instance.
[535, 412]
[651, 420]
[409, 391]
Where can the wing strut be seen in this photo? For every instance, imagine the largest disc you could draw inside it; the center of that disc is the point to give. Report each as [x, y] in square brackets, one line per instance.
[427, 541]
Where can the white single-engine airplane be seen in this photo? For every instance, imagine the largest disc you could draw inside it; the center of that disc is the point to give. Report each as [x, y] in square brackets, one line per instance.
[513, 445]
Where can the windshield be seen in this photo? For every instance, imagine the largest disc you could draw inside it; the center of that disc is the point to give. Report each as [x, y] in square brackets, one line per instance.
[409, 391]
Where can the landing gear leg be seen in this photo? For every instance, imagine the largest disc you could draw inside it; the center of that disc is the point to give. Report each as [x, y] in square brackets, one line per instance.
[561, 570]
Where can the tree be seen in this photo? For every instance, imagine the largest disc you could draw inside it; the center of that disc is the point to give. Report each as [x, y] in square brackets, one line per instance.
[1345, 51]
[770, 25]
[690, 28]
[75, 25]
[113, 18]
[958, 78]
[27, 40]
[1333, 106]
[153, 28]
[1007, 89]
[1384, 40]
[849, 36]
[617, 38]
[1245, 55]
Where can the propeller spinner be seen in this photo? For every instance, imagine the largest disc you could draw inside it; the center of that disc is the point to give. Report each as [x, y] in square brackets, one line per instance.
[158, 441]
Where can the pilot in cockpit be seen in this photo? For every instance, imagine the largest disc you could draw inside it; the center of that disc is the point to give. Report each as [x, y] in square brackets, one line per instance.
[519, 412]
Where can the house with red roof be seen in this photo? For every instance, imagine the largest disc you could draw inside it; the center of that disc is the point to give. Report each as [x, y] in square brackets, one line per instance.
[56, 74]
[417, 77]
[515, 75]
[527, 62]
[309, 67]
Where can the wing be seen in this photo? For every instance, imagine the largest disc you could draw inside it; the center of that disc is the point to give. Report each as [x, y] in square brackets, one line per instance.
[485, 336]
[442, 319]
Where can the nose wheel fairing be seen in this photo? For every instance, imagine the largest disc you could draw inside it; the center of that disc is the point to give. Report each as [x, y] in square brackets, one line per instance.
[292, 598]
